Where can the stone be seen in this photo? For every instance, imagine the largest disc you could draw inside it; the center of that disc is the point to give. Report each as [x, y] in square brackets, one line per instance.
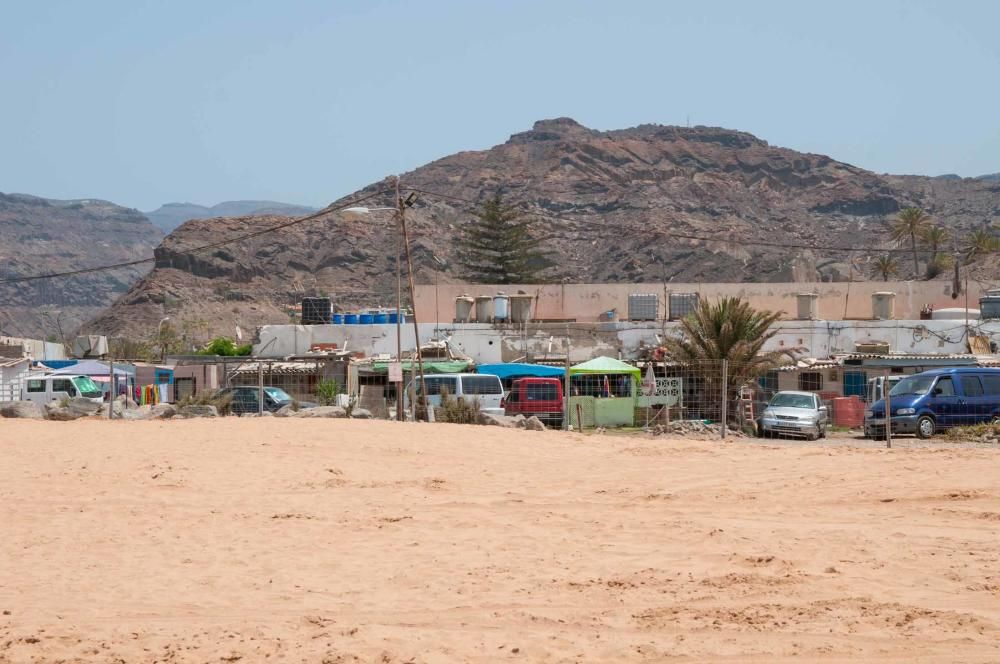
[60, 413]
[198, 411]
[23, 409]
[488, 419]
[361, 414]
[84, 406]
[322, 411]
[138, 413]
[285, 411]
[163, 411]
[534, 424]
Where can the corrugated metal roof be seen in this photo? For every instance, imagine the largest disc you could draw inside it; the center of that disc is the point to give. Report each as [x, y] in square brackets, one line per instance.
[12, 361]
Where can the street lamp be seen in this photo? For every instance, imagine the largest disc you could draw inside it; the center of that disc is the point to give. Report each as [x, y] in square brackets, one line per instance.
[401, 205]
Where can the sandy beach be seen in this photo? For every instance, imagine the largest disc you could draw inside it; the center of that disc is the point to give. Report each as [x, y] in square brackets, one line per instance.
[340, 541]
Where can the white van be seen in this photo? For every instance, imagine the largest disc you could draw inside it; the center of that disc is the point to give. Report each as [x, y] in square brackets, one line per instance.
[876, 387]
[486, 389]
[43, 389]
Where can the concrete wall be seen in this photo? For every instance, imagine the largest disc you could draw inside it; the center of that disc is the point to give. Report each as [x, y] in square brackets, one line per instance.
[586, 302]
[584, 341]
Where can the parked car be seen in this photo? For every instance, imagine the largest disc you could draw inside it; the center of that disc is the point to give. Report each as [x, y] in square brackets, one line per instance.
[246, 399]
[876, 387]
[484, 389]
[541, 397]
[794, 414]
[43, 389]
[932, 401]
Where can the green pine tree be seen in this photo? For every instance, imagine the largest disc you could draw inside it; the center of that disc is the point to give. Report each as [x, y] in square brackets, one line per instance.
[497, 247]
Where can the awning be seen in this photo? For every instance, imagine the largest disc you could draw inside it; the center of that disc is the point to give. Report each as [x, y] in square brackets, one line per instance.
[435, 366]
[518, 369]
[606, 365]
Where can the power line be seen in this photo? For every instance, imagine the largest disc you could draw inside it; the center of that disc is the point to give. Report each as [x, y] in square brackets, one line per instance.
[239, 238]
[689, 236]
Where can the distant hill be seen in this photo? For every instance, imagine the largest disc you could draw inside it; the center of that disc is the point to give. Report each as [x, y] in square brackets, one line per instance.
[610, 205]
[171, 215]
[41, 235]
[992, 177]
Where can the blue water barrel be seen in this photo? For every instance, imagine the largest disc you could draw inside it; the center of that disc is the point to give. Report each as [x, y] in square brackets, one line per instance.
[337, 319]
[381, 318]
[365, 319]
[350, 319]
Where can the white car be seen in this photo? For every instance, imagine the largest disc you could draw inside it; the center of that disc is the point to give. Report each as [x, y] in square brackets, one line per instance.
[485, 389]
[794, 414]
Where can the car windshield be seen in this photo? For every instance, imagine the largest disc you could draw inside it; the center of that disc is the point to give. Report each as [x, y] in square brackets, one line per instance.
[277, 394]
[786, 400]
[87, 387]
[912, 385]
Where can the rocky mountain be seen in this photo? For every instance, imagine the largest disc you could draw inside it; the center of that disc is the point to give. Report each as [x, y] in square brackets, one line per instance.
[650, 203]
[39, 236]
[171, 215]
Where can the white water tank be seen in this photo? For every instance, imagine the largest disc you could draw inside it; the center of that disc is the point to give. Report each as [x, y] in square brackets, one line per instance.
[808, 305]
[520, 308]
[484, 308]
[463, 308]
[500, 307]
[883, 305]
[955, 313]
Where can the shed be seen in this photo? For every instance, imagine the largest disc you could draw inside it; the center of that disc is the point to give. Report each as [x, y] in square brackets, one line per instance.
[603, 392]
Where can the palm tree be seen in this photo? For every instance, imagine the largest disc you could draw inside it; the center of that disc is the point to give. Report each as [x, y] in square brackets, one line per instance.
[729, 329]
[910, 223]
[885, 266]
[980, 243]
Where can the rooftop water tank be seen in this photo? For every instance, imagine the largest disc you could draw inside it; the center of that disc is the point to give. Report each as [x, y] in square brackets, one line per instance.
[520, 308]
[643, 306]
[682, 304]
[500, 307]
[883, 305]
[808, 306]
[954, 313]
[989, 304]
[463, 309]
[484, 308]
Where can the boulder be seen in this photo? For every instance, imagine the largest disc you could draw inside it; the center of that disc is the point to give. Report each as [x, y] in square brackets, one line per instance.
[55, 411]
[534, 424]
[361, 414]
[322, 411]
[163, 411]
[285, 411]
[138, 413]
[266, 413]
[84, 407]
[489, 419]
[24, 409]
[198, 411]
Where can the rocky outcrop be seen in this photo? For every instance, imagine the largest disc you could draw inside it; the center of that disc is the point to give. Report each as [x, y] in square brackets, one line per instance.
[612, 206]
[39, 236]
[197, 410]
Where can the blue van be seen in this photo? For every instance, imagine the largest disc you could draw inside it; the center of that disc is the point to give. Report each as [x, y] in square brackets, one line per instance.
[929, 402]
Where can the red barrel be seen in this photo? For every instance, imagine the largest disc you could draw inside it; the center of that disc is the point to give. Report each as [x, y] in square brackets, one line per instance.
[848, 412]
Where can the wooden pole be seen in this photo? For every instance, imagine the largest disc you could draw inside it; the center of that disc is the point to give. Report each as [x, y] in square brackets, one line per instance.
[888, 412]
[399, 306]
[401, 206]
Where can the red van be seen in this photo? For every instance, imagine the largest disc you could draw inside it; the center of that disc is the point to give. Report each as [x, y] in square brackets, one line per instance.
[541, 397]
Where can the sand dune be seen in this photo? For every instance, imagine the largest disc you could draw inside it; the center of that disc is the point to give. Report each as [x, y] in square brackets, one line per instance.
[340, 541]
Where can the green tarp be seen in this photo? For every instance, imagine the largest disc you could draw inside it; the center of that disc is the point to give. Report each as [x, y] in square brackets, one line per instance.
[435, 367]
[605, 365]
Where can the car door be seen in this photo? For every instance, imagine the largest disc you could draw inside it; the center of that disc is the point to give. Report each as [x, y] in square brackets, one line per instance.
[943, 402]
[973, 403]
[244, 401]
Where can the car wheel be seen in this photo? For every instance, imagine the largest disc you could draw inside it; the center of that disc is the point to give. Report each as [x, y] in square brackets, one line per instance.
[822, 432]
[812, 436]
[995, 419]
[925, 426]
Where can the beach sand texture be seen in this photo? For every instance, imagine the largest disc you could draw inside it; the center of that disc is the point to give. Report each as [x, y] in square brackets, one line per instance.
[278, 540]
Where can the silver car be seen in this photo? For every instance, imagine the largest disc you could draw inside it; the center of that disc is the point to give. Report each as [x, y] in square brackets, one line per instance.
[794, 414]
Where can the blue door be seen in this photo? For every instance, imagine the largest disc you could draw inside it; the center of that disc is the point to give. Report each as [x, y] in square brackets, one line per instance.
[854, 383]
[974, 403]
[944, 403]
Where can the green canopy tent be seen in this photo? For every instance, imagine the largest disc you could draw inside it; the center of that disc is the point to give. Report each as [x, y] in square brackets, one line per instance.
[607, 409]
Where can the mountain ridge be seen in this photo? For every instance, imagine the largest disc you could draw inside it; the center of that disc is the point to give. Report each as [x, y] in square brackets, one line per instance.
[169, 216]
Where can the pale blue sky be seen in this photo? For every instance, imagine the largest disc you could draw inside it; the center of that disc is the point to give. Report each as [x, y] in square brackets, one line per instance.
[144, 102]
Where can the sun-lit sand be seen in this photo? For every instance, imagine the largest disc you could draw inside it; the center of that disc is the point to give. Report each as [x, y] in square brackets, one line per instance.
[336, 541]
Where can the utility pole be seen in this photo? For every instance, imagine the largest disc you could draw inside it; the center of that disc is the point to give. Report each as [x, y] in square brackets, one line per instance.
[401, 206]
[399, 307]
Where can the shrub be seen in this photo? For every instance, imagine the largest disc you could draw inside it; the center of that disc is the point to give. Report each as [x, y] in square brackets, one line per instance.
[976, 432]
[456, 411]
[327, 391]
[222, 402]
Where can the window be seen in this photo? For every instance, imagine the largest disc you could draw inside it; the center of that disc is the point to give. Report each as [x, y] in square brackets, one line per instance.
[992, 384]
[769, 381]
[971, 386]
[541, 392]
[63, 385]
[436, 383]
[481, 385]
[944, 387]
[810, 381]
[36, 385]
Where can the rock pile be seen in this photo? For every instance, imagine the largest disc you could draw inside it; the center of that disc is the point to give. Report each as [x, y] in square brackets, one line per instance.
[511, 422]
[693, 429]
